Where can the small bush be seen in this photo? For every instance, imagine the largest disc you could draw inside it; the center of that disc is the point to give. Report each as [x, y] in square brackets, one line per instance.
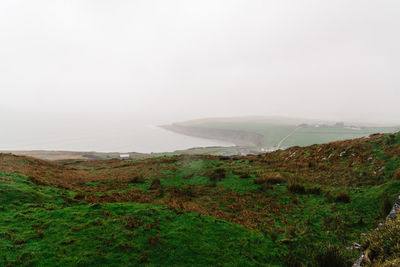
[396, 174]
[218, 175]
[331, 256]
[265, 186]
[274, 178]
[158, 193]
[386, 207]
[316, 190]
[245, 176]
[186, 191]
[155, 184]
[79, 196]
[259, 181]
[297, 255]
[390, 139]
[342, 197]
[137, 180]
[269, 181]
[329, 196]
[242, 174]
[296, 188]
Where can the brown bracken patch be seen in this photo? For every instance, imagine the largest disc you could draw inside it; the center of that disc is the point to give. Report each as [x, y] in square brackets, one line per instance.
[5, 179]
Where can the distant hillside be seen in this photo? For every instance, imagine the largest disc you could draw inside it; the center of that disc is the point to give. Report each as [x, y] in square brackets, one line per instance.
[238, 137]
[268, 132]
[304, 206]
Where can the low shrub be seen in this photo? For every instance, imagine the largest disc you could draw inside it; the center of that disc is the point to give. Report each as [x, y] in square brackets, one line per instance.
[316, 190]
[298, 255]
[218, 175]
[296, 188]
[265, 186]
[386, 206]
[274, 178]
[396, 174]
[137, 180]
[158, 193]
[241, 174]
[342, 197]
[245, 176]
[259, 181]
[79, 196]
[155, 184]
[330, 256]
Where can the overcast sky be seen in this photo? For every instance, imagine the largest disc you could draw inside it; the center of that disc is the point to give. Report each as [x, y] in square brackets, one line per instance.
[178, 60]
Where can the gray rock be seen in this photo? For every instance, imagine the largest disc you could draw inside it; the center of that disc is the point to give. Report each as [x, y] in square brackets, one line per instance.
[392, 215]
[395, 210]
[360, 262]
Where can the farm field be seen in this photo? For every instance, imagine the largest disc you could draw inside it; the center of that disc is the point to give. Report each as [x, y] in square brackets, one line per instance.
[274, 129]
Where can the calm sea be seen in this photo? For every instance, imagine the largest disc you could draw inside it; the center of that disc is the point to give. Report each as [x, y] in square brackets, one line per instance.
[102, 135]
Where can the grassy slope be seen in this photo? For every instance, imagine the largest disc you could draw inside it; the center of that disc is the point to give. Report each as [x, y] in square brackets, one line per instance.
[207, 211]
[39, 227]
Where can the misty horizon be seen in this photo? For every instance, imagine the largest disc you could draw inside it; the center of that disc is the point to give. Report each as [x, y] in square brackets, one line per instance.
[78, 68]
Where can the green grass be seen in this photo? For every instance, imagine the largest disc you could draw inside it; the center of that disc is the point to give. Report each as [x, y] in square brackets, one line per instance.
[97, 235]
[227, 218]
[39, 228]
[198, 175]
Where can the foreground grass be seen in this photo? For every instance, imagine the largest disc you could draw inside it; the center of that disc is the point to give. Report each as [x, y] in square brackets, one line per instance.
[52, 232]
[298, 207]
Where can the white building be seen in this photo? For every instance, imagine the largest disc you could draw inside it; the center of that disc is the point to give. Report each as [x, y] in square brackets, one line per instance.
[124, 156]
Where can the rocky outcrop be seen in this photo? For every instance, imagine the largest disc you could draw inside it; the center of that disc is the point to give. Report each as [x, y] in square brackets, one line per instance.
[395, 210]
[392, 215]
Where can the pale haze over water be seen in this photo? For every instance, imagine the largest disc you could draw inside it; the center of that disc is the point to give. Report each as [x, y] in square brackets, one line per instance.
[102, 135]
[94, 74]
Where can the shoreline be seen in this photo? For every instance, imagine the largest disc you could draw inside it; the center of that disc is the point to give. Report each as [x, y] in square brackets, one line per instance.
[236, 137]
